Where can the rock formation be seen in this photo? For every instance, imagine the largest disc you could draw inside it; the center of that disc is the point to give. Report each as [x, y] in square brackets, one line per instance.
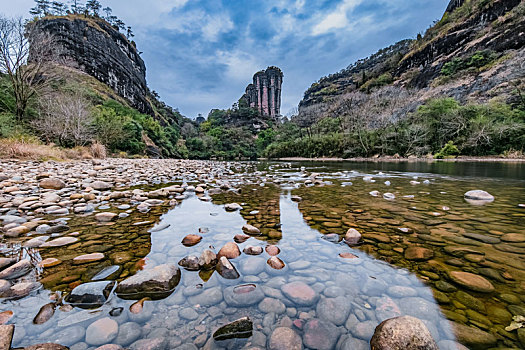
[265, 92]
[94, 47]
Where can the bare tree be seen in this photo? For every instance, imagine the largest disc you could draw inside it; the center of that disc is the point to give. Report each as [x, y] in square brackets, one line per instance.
[65, 118]
[25, 56]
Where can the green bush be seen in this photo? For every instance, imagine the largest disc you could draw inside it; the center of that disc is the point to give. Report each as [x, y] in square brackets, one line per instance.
[450, 150]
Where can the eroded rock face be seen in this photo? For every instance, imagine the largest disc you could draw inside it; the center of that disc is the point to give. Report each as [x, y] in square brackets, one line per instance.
[156, 283]
[405, 332]
[99, 50]
[265, 92]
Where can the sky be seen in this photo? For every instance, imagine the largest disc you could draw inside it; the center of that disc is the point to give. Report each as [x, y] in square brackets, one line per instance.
[201, 54]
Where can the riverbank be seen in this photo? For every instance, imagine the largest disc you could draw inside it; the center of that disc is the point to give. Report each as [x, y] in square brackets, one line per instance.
[392, 159]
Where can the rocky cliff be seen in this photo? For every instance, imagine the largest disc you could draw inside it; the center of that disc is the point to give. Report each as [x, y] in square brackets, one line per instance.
[474, 53]
[93, 46]
[264, 93]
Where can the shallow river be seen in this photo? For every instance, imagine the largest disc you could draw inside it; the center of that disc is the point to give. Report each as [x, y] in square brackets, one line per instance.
[417, 230]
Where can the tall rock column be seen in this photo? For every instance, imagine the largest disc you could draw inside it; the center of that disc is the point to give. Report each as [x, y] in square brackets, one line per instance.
[265, 92]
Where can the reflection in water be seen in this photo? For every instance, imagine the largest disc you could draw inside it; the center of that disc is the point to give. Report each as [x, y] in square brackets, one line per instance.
[328, 297]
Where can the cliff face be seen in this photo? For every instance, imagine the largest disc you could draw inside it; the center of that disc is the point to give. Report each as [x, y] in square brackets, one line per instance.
[94, 47]
[265, 92]
[440, 63]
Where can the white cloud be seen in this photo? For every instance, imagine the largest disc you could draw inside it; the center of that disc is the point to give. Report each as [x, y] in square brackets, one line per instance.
[240, 65]
[216, 25]
[336, 19]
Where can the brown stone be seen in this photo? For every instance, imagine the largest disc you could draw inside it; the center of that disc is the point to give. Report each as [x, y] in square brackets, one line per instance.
[251, 230]
[272, 250]
[6, 336]
[405, 332]
[52, 184]
[347, 255]
[253, 250]
[49, 262]
[105, 217]
[418, 253]
[229, 250]
[5, 316]
[471, 281]
[241, 238]
[191, 240]
[352, 236]
[87, 258]
[275, 263]
[284, 338]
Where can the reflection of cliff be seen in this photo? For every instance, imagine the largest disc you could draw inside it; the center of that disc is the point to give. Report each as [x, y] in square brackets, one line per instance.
[265, 92]
[260, 208]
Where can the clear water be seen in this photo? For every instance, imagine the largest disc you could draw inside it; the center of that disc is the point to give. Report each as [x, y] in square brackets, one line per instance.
[352, 295]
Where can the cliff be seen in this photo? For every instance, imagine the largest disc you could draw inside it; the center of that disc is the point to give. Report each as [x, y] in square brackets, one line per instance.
[264, 93]
[474, 53]
[94, 47]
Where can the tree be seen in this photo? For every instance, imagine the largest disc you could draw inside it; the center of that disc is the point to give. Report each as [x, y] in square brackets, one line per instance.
[41, 9]
[119, 24]
[94, 6]
[107, 11]
[25, 53]
[76, 6]
[65, 118]
[58, 8]
[129, 33]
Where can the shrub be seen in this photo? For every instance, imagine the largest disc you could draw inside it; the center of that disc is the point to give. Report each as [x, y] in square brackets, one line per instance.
[97, 150]
[26, 147]
[450, 150]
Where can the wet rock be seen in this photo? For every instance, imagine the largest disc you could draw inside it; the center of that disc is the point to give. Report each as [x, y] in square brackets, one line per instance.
[275, 263]
[17, 231]
[334, 310]
[128, 333]
[156, 283]
[272, 250]
[284, 338]
[251, 230]
[253, 250]
[320, 335]
[22, 289]
[149, 344]
[106, 273]
[243, 295]
[35, 242]
[209, 297]
[300, 293]
[513, 238]
[21, 268]
[473, 337]
[418, 253]
[405, 332]
[230, 250]
[241, 238]
[5, 316]
[105, 217]
[207, 260]
[191, 240]
[232, 207]
[88, 258]
[268, 305]
[190, 263]
[226, 269]
[471, 281]
[352, 236]
[482, 238]
[46, 312]
[46, 346]
[102, 331]
[241, 328]
[6, 336]
[100, 185]
[52, 184]
[479, 195]
[136, 307]
[59, 242]
[90, 295]
[6, 262]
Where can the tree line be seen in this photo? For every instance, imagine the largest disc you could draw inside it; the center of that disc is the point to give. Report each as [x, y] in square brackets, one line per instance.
[91, 8]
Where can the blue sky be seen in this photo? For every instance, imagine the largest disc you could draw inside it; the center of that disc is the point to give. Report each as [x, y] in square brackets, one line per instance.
[201, 54]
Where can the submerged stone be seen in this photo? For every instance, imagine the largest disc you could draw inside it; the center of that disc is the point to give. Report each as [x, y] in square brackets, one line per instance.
[404, 332]
[471, 281]
[241, 328]
[90, 295]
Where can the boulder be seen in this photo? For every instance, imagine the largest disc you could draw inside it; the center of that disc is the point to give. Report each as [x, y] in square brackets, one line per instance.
[253, 250]
[207, 260]
[251, 230]
[479, 195]
[473, 337]
[418, 253]
[190, 263]
[21, 268]
[191, 240]
[275, 263]
[156, 283]
[105, 217]
[404, 332]
[52, 184]
[6, 335]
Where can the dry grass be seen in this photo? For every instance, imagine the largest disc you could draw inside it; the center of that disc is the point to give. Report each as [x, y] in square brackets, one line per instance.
[98, 150]
[28, 148]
